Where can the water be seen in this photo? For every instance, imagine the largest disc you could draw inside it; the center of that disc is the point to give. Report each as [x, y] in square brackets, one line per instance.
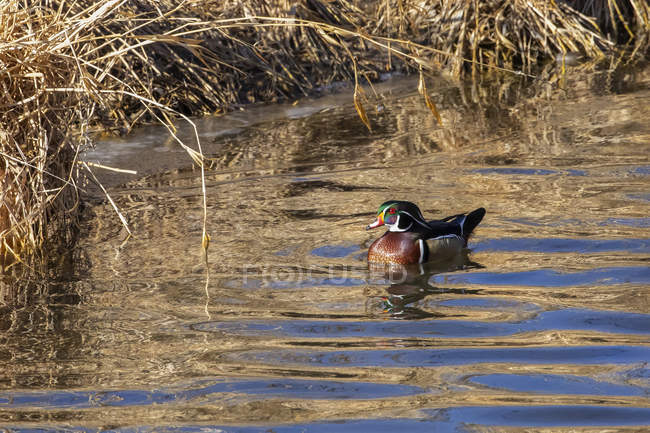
[543, 326]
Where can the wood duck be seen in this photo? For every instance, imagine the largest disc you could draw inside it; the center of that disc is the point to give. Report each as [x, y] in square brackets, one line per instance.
[411, 239]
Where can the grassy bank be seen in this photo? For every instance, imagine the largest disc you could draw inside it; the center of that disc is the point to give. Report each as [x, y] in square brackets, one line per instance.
[68, 70]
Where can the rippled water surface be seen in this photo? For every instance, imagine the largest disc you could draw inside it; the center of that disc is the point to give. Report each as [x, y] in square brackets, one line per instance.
[543, 326]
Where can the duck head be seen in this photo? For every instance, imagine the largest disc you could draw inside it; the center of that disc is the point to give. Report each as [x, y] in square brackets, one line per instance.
[399, 216]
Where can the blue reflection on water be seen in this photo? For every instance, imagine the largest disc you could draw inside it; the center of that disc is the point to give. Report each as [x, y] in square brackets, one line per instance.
[559, 245]
[556, 384]
[499, 303]
[335, 251]
[550, 277]
[207, 391]
[588, 355]
[632, 222]
[515, 171]
[567, 319]
[643, 170]
[614, 221]
[640, 196]
[446, 420]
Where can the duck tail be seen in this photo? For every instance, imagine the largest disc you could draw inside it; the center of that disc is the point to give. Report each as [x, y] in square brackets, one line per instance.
[469, 222]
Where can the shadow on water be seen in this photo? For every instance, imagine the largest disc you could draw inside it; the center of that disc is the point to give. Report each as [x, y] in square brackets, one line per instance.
[544, 324]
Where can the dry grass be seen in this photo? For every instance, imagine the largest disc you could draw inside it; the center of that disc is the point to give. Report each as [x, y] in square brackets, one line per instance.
[66, 67]
[61, 70]
[37, 141]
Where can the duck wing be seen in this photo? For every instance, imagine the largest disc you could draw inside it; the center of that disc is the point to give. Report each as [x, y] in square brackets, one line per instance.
[459, 225]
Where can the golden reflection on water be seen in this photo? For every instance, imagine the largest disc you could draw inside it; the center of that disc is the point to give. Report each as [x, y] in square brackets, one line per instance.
[288, 202]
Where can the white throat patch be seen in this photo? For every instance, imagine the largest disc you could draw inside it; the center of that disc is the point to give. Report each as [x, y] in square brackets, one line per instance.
[395, 227]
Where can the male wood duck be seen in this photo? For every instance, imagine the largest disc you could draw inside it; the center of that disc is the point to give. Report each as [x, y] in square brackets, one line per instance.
[411, 239]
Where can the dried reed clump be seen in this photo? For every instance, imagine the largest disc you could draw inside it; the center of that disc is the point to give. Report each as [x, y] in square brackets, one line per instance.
[515, 34]
[36, 170]
[203, 57]
[67, 65]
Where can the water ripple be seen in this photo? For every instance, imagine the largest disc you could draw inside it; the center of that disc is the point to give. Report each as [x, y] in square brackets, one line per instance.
[448, 420]
[550, 277]
[561, 245]
[567, 319]
[556, 384]
[588, 355]
[207, 390]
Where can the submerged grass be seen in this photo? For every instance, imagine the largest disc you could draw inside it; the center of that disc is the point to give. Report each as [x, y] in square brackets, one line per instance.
[70, 69]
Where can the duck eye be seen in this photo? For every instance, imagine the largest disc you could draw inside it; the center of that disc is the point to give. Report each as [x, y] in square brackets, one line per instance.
[391, 211]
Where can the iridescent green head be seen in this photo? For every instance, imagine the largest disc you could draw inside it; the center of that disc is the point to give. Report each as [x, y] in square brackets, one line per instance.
[397, 215]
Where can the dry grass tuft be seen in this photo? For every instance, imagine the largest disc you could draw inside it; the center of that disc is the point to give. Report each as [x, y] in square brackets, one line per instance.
[67, 66]
[37, 142]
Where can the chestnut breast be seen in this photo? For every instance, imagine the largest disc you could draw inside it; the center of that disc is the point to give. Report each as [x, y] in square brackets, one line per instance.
[395, 247]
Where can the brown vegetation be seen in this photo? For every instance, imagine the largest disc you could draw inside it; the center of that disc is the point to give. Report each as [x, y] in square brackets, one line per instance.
[67, 66]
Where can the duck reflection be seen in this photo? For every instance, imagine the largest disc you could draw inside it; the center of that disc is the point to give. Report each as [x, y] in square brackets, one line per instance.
[409, 284]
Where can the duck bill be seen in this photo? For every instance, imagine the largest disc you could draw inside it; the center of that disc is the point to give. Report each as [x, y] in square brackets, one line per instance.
[379, 222]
